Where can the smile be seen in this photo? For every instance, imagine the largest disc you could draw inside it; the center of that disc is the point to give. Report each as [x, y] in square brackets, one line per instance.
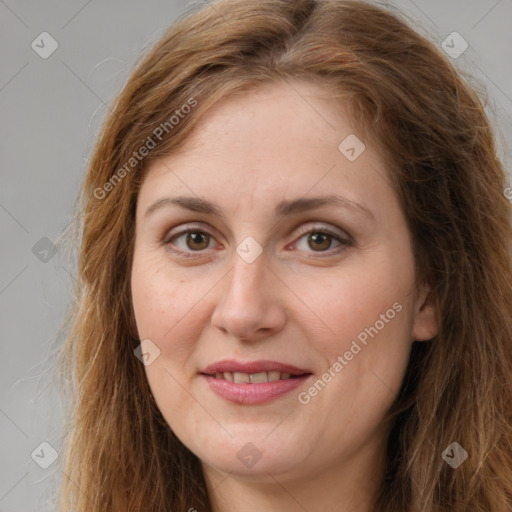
[253, 378]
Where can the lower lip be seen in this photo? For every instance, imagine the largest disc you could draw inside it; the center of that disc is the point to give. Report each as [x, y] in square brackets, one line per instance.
[253, 394]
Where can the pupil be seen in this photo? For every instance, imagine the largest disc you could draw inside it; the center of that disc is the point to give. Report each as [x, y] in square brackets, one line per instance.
[319, 238]
[195, 238]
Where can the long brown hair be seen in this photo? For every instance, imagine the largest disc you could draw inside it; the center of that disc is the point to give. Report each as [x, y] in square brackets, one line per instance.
[431, 129]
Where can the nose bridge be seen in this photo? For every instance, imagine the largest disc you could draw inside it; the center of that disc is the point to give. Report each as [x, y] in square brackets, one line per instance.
[244, 284]
[248, 270]
[247, 303]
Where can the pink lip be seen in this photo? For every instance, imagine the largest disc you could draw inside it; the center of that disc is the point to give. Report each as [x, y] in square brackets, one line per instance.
[253, 394]
[230, 365]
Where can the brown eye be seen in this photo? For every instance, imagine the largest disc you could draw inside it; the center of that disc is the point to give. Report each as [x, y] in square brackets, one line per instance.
[189, 241]
[319, 241]
[323, 242]
[197, 240]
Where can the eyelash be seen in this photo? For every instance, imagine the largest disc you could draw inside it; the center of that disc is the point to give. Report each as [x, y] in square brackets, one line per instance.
[344, 243]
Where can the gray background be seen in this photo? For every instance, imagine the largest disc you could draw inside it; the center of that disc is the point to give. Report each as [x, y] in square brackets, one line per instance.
[50, 110]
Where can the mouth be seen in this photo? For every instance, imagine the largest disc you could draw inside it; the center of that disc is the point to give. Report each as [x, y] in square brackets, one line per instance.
[254, 382]
[253, 378]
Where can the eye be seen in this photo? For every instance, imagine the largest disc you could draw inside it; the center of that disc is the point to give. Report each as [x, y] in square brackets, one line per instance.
[321, 240]
[191, 240]
[317, 240]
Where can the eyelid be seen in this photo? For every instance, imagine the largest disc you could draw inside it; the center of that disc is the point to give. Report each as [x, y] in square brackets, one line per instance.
[335, 232]
[185, 228]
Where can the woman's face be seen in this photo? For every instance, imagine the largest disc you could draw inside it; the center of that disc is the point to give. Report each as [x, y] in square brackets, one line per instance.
[271, 244]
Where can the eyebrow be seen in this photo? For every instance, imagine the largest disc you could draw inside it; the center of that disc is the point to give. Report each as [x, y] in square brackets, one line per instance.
[283, 208]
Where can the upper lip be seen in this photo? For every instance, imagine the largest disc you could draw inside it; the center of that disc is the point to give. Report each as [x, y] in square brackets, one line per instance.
[230, 365]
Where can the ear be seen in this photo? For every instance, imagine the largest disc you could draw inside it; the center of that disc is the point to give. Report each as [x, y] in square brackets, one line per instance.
[426, 319]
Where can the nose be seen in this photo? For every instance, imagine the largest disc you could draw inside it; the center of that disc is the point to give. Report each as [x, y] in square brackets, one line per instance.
[250, 304]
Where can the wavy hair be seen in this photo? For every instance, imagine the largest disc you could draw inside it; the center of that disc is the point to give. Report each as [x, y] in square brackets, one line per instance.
[431, 129]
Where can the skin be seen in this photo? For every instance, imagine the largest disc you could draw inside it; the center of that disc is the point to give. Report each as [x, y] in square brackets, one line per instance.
[300, 302]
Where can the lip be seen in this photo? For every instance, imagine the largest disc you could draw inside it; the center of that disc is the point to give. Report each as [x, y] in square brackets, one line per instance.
[253, 394]
[231, 365]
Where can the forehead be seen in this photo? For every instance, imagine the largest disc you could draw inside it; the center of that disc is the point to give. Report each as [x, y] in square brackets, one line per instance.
[277, 141]
[276, 119]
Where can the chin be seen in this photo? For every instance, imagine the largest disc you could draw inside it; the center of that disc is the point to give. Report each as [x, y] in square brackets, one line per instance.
[251, 456]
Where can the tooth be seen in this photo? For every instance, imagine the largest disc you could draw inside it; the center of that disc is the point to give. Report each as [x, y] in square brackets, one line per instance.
[228, 376]
[273, 376]
[218, 376]
[285, 376]
[258, 378]
[240, 378]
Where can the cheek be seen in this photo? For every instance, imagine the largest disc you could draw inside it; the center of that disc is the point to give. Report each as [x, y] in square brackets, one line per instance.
[161, 297]
[367, 317]
[163, 303]
[353, 298]
[169, 308]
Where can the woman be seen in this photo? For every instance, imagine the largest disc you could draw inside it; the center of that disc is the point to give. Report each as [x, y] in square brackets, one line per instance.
[295, 279]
